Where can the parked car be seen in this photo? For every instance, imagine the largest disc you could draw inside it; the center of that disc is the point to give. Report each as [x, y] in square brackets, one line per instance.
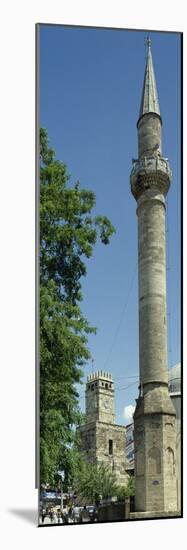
[91, 511]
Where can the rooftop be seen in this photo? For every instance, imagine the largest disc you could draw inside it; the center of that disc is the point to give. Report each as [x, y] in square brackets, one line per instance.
[99, 374]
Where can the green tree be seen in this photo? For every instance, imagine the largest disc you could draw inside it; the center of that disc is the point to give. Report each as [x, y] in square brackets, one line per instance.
[92, 481]
[126, 490]
[68, 233]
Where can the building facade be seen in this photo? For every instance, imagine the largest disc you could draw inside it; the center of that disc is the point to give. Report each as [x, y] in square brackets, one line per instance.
[155, 416]
[130, 447]
[175, 394]
[100, 439]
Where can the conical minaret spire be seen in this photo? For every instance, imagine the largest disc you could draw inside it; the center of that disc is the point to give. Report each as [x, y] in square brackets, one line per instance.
[149, 122]
[149, 101]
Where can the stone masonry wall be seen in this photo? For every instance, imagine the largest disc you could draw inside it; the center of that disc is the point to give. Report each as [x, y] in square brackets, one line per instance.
[95, 446]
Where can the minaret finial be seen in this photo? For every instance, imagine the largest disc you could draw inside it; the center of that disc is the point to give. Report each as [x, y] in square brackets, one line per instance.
[147, 41]
[149, 101]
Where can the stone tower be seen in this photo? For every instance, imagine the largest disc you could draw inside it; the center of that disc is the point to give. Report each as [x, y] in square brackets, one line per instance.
[100, 398]
[154, 417]
[101, 440]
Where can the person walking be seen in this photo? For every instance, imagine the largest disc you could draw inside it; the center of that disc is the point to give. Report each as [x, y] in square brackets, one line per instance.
[59, 518]
[54, 517]
[76, 514]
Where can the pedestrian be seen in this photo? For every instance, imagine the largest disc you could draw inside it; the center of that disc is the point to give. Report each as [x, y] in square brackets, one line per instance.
[70, 513]
[62, 517]
[95, 514]
[59, 519]
[76, 514]
[54, 517]
[65, 518]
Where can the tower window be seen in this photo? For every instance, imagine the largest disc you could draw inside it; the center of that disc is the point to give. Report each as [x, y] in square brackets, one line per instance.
[106, 386]
[92, 387]
[110, 447]
[89, 386]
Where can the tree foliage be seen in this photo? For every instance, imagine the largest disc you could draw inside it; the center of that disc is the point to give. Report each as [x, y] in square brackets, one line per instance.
[127, 490]
[68, 233]
[94, 480]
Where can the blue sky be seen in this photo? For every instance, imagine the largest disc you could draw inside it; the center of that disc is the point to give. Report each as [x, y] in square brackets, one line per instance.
[90, 91]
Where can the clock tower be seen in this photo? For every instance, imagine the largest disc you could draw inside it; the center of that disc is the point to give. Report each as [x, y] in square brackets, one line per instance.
[100, 397]
[100, 439]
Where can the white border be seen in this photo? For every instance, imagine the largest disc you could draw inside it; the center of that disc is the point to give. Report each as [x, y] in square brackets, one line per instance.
[17, 265]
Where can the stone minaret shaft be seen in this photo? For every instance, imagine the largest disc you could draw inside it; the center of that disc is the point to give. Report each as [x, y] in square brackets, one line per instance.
[154, 418]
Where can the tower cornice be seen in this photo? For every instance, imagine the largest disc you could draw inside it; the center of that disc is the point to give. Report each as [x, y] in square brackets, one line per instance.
[145, 115]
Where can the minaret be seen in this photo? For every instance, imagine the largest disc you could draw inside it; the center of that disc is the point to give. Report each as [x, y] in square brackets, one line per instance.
[154, 418]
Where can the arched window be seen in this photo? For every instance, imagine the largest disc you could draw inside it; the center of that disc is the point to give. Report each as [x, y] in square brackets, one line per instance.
[170, 461]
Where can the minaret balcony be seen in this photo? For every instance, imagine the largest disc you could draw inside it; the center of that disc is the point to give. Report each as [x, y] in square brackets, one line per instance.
[148, 172]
